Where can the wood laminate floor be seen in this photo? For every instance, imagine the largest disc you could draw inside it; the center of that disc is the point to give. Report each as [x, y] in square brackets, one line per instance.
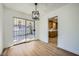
[35, 48]
[53, 41]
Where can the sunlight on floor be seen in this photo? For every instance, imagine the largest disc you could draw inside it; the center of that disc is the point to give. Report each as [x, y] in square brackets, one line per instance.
[23, 40]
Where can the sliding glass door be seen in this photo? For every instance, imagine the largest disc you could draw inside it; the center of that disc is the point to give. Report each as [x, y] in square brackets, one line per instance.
[23, 29]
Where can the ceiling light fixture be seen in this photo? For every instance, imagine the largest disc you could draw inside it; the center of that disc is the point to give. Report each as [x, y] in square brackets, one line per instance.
[35, 16]
[35, 13]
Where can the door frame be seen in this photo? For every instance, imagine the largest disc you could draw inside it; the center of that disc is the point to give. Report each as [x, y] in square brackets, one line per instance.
[57, 29]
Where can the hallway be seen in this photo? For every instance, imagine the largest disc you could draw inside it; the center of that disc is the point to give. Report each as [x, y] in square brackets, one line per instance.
[35, 48]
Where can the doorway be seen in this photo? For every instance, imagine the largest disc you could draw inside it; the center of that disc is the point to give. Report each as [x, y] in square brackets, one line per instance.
[53, 30]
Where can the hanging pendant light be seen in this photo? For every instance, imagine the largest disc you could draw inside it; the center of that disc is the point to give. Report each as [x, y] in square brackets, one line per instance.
[35, 13]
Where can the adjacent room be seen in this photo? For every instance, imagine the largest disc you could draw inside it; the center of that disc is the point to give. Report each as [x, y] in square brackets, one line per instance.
[39, 29]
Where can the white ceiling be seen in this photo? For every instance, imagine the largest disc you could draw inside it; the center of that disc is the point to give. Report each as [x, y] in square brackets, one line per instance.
[28, 7]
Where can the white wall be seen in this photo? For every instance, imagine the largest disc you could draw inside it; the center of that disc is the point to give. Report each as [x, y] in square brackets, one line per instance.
[1, 29]
[8, 24]
[68, 27]
[37, 29]
[43, 28]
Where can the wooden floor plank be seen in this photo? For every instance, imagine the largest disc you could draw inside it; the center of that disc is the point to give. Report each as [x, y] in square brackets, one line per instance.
[35, 48]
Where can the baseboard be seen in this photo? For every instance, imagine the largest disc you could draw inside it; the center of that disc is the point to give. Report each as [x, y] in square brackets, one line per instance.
[68, 51]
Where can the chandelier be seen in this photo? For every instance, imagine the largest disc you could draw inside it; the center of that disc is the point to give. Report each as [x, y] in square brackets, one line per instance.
[35, 13]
